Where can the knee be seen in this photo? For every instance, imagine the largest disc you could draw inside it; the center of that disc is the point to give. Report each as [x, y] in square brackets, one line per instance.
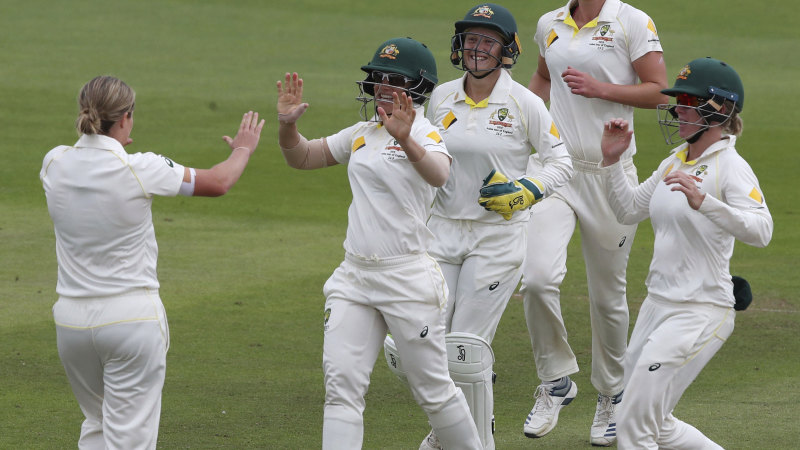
[539, 283]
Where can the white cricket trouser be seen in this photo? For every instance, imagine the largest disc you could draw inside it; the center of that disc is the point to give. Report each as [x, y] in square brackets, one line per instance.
[670, 344]
[606, 245]
[405, 296]
[482, 265]
[114, 353]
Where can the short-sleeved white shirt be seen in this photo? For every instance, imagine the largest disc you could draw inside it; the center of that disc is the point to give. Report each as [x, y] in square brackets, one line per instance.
[99, 199]
[498, 133]
[604, 48]
[692, 248]
[391, 201]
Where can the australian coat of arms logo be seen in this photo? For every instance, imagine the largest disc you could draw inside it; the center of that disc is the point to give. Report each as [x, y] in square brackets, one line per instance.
[390, 51]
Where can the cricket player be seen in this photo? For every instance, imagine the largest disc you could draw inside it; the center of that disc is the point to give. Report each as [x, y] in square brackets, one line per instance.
[701, 199]
[598, 59]
[387, 282]
[490, 124]
[111, 327]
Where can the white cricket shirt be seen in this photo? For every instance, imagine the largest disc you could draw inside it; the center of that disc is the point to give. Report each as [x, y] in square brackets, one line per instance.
[693, 249]
[500, 133]
[391, 201]
[99, 198]
[605, 48]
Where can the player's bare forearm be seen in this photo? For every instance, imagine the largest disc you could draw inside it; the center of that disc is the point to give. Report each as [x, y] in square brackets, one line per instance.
[219, 179]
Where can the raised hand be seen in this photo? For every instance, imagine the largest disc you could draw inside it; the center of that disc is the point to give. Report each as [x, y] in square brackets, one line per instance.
[403, 114]
[616, 139]
[683, 182]
[290, 99]
[249, 133]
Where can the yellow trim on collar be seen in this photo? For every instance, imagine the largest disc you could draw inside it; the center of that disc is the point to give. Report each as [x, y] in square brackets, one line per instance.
[482, 104]
[682, 156]
[571, 22]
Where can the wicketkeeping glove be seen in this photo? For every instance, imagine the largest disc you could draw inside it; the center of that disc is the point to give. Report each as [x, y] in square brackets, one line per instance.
[504, 197]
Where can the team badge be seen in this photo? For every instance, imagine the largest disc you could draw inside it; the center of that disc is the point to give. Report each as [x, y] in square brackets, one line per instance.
[501, 122]
[390, 51]
[327, 318]
[700, 170]
[603, 38]
[393, 151]
[168, 161]
[483, 11]
[684, 73]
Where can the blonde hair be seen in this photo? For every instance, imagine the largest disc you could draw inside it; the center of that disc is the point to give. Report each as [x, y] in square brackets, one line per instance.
[734, 124]
[102, 102]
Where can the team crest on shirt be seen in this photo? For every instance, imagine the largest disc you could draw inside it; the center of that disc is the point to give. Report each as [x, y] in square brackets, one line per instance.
[393, 151]
[603, 38]
[327, 318]
[168, 161]
[501, 122]
[701, 171]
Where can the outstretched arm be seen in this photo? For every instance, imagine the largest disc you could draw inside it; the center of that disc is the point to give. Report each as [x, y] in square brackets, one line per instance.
[219, 179]
[297, 150]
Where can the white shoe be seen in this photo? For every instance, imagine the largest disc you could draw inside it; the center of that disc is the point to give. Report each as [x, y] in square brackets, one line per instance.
[431, 442]
[550, 398]
[604, 426]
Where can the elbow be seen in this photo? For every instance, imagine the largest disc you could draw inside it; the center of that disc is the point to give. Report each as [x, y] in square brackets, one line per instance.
[439, 181]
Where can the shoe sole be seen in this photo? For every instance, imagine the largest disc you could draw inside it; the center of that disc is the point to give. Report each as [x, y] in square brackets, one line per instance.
[566, 402]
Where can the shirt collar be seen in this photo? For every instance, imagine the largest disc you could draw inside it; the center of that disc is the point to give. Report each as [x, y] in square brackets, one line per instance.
[607, 13]
[682, 151]
[500, 92]
[99, 141]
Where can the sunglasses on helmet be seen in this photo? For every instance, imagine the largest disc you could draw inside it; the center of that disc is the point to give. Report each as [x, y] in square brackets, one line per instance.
[392, 79]
[687, 100]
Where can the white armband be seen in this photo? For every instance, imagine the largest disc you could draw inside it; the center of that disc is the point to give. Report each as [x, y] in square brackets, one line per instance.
[187, 189]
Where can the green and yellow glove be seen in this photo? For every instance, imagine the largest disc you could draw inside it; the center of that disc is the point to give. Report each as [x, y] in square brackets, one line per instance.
[504, 197]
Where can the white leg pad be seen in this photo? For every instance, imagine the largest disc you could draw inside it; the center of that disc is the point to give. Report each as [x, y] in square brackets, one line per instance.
[393, 359]
[470, 359]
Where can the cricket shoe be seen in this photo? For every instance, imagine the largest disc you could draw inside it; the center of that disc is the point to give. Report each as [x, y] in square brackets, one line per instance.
[604, 426]
[550, 398]
[431, 442]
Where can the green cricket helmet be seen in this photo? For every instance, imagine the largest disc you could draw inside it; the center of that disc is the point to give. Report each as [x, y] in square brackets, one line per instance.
[494, 17]
[409, 59]
[707, 78]
[713, 83]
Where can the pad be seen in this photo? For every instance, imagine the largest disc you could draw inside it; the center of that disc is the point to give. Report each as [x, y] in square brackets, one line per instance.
[470, 359]
[393, 359]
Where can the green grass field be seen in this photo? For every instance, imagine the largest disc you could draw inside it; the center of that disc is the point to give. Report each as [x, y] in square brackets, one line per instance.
[242, 275]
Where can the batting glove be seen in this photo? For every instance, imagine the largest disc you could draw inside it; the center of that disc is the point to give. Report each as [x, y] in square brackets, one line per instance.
[504, 197]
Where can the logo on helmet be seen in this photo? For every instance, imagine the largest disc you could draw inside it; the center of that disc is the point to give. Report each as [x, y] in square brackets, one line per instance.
[483, 11]
[390, 51]
[684, 73]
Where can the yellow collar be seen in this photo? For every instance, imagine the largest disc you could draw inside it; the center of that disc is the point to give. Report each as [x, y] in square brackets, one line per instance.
[482, 104]
[571, 22]
[683, 154]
